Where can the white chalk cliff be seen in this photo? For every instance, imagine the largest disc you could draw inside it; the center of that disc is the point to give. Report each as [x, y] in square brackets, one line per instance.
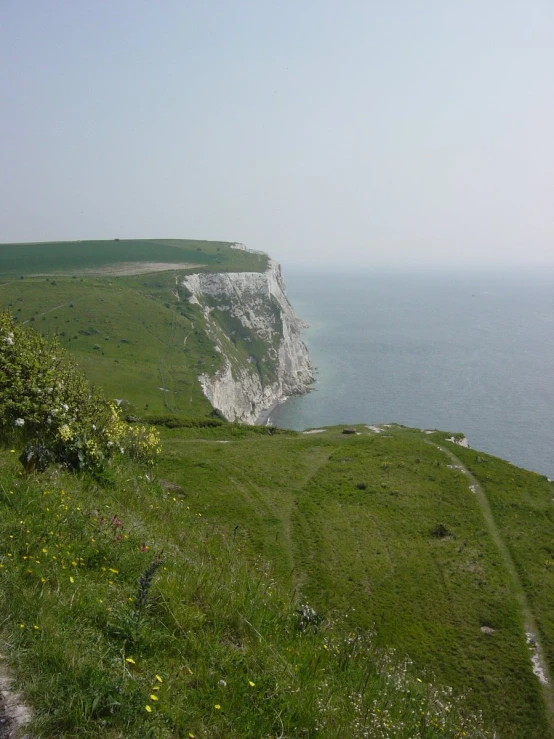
[250, 309]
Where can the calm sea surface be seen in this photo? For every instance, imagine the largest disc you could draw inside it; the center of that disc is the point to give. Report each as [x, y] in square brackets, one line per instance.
[470, 352]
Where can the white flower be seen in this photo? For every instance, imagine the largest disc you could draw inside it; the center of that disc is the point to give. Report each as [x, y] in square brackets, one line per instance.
[8, 340]
[48, 420]
[19, 422]
[65, 407]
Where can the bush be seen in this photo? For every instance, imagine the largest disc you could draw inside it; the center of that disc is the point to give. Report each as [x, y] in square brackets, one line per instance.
[440, 531]
[48, 403]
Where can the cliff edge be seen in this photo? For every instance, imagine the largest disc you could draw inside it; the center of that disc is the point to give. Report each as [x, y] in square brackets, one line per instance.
[253, 326]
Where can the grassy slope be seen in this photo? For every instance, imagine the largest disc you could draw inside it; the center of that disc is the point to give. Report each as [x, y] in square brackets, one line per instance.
[215, 651]
[370, 552]
[521, 503]
[123, 338]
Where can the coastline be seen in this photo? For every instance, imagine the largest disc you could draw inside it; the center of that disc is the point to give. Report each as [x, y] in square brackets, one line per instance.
[264, 417]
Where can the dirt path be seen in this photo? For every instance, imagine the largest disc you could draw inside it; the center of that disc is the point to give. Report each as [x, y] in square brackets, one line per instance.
[56, 307]
[540, 667]
[123, 269]
[14, 714]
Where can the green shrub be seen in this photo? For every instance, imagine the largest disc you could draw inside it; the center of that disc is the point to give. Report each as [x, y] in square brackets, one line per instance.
[45, 400]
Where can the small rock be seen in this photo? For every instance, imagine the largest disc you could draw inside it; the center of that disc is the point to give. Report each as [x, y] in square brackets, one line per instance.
[171, 487]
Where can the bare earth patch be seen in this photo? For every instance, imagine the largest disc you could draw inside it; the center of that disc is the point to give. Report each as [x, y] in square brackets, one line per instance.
[14, 714]
[125, 269]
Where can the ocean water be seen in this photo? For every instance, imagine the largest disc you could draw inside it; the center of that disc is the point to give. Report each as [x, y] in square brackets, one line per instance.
[465, 351]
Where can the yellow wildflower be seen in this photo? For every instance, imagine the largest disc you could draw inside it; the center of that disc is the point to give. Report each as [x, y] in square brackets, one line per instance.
[148, 708]
[130, 660]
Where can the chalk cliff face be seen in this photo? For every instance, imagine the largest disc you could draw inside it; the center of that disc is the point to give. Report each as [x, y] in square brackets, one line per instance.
[252, 324]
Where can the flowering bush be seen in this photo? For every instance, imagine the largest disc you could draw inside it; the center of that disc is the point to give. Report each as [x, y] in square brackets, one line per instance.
[44, 398]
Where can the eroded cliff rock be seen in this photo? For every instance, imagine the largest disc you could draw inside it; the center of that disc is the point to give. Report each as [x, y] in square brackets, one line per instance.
[253, 325]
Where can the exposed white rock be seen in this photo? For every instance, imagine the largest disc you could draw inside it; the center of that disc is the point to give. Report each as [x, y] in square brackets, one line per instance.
[459, 440]
[259, 302]
[538, 665]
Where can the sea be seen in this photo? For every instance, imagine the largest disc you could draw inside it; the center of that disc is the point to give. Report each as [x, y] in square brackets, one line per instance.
[464, 351]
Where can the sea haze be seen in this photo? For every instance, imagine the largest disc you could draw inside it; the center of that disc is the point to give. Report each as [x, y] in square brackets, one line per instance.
[465, 351]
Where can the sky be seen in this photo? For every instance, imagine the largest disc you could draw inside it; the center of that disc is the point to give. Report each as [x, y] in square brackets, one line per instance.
[325, 132]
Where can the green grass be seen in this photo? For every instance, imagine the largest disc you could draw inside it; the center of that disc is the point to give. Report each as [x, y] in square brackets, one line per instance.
[127, 334]
[521, 503]
[370, 553]
[74, 257]
[209, 642]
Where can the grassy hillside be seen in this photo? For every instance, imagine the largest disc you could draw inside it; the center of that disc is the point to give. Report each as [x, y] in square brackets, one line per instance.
[384, 528]
[128, 334]
[76, 257]
[135, 335]
[372, 561]
[125, 613]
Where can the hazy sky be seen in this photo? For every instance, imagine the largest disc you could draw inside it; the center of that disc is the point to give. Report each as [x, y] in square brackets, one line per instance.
[396, 132]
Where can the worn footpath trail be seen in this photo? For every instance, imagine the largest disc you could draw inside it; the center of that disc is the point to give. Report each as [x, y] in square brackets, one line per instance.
[540, 667]
[14, 714]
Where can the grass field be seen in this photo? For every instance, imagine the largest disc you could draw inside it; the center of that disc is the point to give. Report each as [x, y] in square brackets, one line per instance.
[380, 534]
[134, 336]
[127, 611]
[352, 523]
[76, 257]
